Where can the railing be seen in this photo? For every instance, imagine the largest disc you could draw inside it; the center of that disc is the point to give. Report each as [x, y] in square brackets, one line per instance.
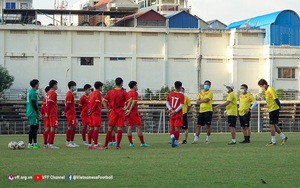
[19, 94]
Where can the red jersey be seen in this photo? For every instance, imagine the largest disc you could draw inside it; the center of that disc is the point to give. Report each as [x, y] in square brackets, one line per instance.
[43, 107]
[70, 104]
[175, 99]
[52, 107]
[95, 104]
[116, 98]
[132, 95]
[84, 105]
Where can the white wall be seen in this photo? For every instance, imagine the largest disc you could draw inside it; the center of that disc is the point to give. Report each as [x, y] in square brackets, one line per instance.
[153, 57]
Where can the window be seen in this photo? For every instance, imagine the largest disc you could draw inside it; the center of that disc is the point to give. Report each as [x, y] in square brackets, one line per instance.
[117, 59]
[149, 60]
[10, 5]
[87, 61]
[23, 5]
[288, 73]
[214, 60]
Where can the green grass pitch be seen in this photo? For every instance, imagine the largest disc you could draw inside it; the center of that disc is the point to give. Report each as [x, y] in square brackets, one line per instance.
[212, 165]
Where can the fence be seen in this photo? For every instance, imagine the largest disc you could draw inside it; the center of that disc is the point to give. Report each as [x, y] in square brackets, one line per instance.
[155, 118]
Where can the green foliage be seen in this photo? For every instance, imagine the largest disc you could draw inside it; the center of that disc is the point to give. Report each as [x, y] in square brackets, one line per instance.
[148, 94]
[6, 80]
[224, 96]
[261, 96]
[280, 94]
[108, 85]
[163, 93]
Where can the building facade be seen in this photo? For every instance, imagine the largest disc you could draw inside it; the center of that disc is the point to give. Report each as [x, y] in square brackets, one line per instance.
[154, 57]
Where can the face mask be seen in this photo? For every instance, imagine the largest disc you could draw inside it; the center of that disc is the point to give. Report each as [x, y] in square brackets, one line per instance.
[74, 88]
[206, 87]
[89, 91]
[226, 90]
[136, 88]
[242, 91]
[262, 88]
[56, 88]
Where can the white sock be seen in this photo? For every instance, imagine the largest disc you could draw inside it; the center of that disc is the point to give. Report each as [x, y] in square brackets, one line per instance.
[233, 140]
[35, 144]
[207, 138]
[196, 138]
[273, 139]
[282, 135]
[172, 136]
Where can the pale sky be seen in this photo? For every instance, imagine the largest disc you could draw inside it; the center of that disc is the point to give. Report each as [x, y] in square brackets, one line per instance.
[227, 11]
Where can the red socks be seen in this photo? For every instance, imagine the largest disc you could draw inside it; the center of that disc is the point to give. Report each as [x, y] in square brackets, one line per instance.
[51, 137]
[119, 137]
[130, 139]
[107, 138]
[72, 135]
[90, 136]
[95, 137]
[45, 134]
[83, 134]
[142, 139]
[113, 138]
[68, 135]
[172, 132]
[177, 133]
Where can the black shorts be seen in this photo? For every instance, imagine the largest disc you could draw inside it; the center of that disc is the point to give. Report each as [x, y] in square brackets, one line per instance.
[204, 118]
[232, 121]
[184, 121]
[245, 120]
[274, 117]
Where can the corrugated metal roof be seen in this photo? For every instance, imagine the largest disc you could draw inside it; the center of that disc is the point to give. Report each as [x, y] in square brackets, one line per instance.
[182, 19]
[171, 15]
[101, 3]
[136, 15]
[256, 22]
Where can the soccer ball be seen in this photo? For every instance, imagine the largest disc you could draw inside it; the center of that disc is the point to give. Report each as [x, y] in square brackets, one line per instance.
[13, 145]
[21, 145]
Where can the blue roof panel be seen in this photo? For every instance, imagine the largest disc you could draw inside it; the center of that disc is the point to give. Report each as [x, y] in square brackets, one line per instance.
[256, 22]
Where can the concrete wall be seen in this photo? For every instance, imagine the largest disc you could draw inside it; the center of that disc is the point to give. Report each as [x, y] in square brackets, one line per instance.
[153, 56]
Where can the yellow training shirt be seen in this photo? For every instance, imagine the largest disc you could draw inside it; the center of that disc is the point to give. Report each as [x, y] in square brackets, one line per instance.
[270, 99]
[231, 108]
[205, 107]
[245, 103]
[186, 104]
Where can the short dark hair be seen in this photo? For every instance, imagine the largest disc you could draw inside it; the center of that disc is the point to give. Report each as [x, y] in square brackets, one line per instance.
[86, 86]
[47, 89]
[119, 81]
[207, 82]
[132, 84]
[262, 82]
[34, 82]
[98, 84]
[245, 86]
[71, 83]
[178, 84]
[52, 83]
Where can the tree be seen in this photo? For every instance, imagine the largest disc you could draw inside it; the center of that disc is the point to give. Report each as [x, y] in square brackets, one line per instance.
[108, 85]
[6, 80]
[281, 94]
